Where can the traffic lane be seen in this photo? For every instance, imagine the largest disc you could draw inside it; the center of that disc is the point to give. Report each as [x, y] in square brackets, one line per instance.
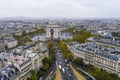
[62, 61]
[68, 75]
[59, 61]
[64, 75]
[68, 70]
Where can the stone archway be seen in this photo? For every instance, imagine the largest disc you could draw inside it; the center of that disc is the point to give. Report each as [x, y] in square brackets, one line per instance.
[52, 32]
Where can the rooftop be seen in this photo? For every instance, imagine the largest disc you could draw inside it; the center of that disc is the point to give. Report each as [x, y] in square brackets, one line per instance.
[9, 72]
[18, 59]
[98, 50]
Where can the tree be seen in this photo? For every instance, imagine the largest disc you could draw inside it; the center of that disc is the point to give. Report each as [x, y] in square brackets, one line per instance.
[65, 50]
[82, 26]
[47, 63]
[34, 75]
[24, 33]
[40, 73]
[69, 56]
[50, 44]
[52, 50]
[98, 73]
[82, 35]
[79, 61]
[103, 76]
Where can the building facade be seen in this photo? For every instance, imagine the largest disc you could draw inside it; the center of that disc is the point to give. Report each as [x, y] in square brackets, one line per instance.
[27, 58]
[97, 55]
[10, 43]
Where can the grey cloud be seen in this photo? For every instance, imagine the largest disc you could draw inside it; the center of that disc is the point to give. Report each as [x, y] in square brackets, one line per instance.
[60, 8]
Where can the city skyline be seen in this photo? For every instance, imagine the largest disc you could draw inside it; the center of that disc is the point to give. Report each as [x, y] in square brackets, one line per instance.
[62, 8]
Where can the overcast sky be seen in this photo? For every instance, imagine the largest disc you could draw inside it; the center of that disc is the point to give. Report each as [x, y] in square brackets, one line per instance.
[60, 8]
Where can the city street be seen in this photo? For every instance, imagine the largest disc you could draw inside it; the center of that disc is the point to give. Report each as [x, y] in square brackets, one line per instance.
[63, 65]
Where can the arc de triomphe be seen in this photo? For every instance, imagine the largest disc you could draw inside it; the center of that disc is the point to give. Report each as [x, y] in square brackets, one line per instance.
[53, 31]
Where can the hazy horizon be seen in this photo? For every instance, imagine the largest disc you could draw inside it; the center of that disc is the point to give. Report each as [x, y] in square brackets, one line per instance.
[60, 9]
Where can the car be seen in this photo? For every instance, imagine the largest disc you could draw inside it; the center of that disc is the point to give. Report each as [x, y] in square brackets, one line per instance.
[63, 70]
[70, 75]
[66, 60]
[67, 64]
[59, 66]
[60, 62]
[74, 79]
[66, 67]
[58, 53]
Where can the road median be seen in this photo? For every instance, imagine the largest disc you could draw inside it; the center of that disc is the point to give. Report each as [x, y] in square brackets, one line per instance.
[57, 74]
[77, 74]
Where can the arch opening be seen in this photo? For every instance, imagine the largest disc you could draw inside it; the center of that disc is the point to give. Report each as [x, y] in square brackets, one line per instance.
[52, 33]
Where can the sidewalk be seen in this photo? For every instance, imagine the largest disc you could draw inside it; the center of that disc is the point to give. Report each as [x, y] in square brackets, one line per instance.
[58, 75]
[84, 72]
[77, 74]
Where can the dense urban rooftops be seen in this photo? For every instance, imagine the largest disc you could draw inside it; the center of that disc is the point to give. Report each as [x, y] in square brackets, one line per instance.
[98, 49]
[9, 72]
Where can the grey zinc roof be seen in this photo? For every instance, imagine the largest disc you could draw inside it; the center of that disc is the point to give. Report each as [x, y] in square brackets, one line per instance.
[11, 72]
[108, 55]
[99, 50]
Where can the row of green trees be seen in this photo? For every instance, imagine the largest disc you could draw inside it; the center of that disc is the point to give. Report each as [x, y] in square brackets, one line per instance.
[98, 73]
[70, 30]
[25, 37]
[22, 39]
[51, 48]
[36, 32]
[81, 35]
[47, 63]
[65, 50]
[35, 75]
[116, 34]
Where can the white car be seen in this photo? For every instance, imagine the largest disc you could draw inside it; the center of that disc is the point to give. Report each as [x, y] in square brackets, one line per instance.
[59, 66]
[63, 70]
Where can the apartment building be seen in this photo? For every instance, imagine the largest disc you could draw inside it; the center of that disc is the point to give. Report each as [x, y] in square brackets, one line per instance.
[10, 43]
[98, 55]
[9, 72]
[24, 65]
[23, 59]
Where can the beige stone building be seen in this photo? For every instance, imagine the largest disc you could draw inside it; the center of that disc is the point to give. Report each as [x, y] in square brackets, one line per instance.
[97, 55]
[10, 43]
[27, 58]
